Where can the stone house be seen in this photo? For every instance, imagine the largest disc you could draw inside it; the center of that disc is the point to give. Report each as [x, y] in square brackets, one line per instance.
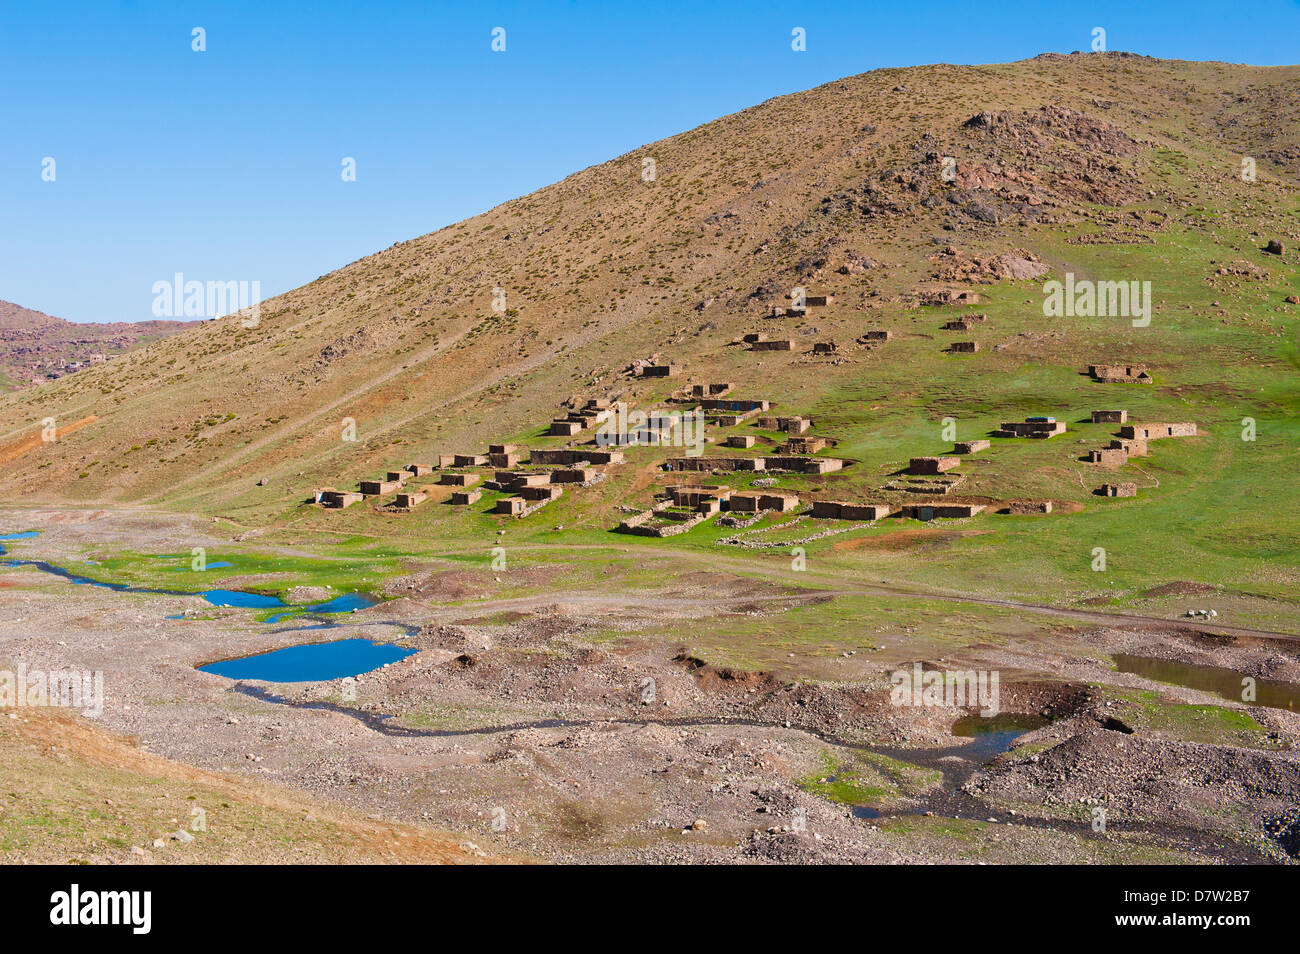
[1109, 456]
[1156, 431]
[575, 475]
[964, 347]
[802, 465]
[575, 456]
[1134, 447]
[687, 496]
[409, 499]
[1032, 427]
[339, 498]
[459, 480]
[419, 470]
[786, 425]
[970, 447]
[845, 510]
[739, 440]
[377, 488]
[710, 390]
[513, 480]
[463, 498]
[948, 511]
[753, 501]
[513, 506]
[782, 344]
[1126, 489]
[1119, 373]
[1109, 417]
[804, 445]
[546, 492]
[932, 465]
[734, 405]
[709, 464]
[820, 465]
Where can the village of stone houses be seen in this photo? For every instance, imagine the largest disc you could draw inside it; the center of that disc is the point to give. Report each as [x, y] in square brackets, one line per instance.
[899, 471]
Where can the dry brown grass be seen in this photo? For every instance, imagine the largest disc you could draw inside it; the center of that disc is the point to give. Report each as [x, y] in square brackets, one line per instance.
[73, 791]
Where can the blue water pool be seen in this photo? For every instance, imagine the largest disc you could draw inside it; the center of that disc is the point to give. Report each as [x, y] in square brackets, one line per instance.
[238, 598]
[317, 662]
[345, 603]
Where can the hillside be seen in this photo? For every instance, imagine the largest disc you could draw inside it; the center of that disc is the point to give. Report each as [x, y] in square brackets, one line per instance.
[1107, 166]
[36, 347]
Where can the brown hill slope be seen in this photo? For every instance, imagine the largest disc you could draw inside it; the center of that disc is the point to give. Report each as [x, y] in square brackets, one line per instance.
[842, 187]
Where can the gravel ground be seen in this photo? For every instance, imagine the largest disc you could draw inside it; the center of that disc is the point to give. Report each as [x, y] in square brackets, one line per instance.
[536, 734]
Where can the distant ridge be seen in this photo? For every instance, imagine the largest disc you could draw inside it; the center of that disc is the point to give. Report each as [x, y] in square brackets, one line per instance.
[36, 346]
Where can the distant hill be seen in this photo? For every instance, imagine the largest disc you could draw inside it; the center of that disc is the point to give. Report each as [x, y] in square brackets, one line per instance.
[874, 188]
[36, 347]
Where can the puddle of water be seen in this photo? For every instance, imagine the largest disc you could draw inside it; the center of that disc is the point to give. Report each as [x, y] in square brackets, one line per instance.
[1224, 683]
[317, 662]
[211, 566]
[994, 735]
[239, 598]
[345, 603]
[21, 535]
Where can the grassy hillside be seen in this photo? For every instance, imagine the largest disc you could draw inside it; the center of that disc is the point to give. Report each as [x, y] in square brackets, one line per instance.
[1108, 166]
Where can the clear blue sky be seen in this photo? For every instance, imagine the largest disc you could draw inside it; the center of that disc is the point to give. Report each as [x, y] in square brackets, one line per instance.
[225, 164]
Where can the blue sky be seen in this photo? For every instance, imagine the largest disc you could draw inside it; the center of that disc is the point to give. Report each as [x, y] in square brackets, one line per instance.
[225, 164]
